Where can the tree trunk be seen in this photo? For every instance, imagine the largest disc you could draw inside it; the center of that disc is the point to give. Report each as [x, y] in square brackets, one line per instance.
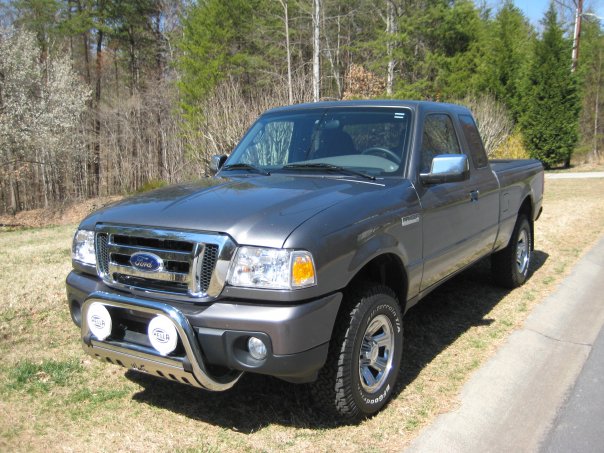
[161, 151]
[86, 48]
[133, 63]
[316, 70]
[290, 93]
[333, 60]
[597, 116]
[159, 59]
[577, 34]
[12, 190]
[95, 176]
[391, 29]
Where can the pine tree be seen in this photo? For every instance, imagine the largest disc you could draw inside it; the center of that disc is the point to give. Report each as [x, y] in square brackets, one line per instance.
[591, 73]
[507, 55]
[438, 49]
[549, 120]
[221, 40]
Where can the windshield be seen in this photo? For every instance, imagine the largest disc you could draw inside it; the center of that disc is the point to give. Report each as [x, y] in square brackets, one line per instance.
[372, 141]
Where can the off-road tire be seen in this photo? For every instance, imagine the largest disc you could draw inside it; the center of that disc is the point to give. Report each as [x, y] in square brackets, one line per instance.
[340, 391]
[510, 266]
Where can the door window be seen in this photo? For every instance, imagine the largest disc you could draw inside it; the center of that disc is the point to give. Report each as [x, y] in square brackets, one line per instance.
[439, 138]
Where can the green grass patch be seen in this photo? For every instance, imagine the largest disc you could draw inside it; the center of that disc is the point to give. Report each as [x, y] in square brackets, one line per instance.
[85, 402]
[98, 396]
[477, 343]
[41, 377]
[11, 432]
[8, 315]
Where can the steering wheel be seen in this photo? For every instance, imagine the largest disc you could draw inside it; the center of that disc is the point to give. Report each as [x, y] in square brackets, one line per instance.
[383, 152]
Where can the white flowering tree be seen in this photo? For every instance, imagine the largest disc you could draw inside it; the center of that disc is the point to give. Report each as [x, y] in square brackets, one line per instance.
[41, 103]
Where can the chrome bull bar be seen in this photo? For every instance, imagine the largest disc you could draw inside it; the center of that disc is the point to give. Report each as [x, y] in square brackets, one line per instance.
[189, 369]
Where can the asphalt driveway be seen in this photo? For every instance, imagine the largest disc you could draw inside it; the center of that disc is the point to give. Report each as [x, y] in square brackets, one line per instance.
[542, 390]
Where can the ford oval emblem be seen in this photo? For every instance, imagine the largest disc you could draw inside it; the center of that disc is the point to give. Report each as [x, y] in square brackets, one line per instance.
[146, 262]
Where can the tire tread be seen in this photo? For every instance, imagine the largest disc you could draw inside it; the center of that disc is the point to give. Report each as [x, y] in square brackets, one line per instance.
[330, 390]
[503, 263]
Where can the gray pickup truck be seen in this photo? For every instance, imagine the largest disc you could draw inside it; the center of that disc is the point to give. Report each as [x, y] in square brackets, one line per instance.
[299, 258]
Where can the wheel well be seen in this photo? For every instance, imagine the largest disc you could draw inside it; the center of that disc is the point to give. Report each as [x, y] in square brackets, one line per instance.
[389, 271]
[526, 208]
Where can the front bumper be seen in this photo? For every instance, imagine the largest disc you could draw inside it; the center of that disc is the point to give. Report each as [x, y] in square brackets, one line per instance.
[212, 351]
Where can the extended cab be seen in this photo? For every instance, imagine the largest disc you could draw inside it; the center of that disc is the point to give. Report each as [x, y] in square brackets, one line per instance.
[299, 258]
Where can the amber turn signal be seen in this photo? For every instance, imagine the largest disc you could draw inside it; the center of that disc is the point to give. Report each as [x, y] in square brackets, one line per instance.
[303, 270]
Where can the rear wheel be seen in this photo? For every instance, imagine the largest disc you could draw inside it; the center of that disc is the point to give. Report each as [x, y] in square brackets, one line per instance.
[510, 266]
[365, 354]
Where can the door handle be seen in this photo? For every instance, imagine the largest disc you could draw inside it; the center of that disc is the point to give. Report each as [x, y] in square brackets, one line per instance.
[474, 195]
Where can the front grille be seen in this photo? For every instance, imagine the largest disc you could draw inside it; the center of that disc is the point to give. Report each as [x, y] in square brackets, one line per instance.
[150, 284]
[208, 263]
[183, 263]
[153, 243]
[102, 254]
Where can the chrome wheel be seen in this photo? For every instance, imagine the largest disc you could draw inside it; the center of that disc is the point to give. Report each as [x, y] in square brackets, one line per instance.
[523, 251]
[377, 351]
[364, 358]
[510, 266]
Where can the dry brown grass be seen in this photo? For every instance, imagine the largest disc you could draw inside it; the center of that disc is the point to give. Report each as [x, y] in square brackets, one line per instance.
[580, 167]
[66, 214]
[52, 397]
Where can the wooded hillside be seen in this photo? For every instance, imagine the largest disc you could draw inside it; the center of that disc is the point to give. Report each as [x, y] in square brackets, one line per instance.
[103, 97]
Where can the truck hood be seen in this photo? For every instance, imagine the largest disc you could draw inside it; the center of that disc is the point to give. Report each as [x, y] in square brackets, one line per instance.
[258, 210]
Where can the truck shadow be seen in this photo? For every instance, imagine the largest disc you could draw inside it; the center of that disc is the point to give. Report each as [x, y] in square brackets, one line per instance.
[258, 401]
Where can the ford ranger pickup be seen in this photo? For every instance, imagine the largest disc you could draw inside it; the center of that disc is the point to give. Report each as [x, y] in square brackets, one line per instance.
[299, 258]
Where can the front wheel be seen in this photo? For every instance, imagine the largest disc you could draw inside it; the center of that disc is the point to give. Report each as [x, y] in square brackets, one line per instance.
[510, 266]
[365, 354]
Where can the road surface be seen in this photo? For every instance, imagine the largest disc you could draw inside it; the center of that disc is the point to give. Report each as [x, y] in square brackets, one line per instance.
[542, 391]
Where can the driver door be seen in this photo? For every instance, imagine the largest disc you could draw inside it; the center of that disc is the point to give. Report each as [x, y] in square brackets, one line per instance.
[447, 207]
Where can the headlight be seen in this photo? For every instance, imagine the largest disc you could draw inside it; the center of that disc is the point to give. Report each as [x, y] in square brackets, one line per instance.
[82, 249]
[255, 267]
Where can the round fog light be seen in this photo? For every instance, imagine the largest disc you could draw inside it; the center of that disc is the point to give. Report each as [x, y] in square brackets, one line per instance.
[99, 321]
[257, 348]
[162, 334]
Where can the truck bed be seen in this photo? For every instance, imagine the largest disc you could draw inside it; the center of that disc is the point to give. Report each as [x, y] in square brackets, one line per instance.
[512, 170]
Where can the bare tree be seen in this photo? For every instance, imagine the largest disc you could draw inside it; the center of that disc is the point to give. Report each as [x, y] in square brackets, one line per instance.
[95, 164]
[391, 31]
[230, 112]
[332, 50]
[316, 63]
[288, 50]
[494, 122]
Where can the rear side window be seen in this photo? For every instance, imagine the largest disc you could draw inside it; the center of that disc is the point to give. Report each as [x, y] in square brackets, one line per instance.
[470, 132]
[439, 138]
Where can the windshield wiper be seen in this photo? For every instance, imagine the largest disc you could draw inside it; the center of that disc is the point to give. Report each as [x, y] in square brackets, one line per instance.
[248, 167]
[328, 167]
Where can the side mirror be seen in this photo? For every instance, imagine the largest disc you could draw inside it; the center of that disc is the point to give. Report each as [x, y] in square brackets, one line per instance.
[216, 163]
[447, 168]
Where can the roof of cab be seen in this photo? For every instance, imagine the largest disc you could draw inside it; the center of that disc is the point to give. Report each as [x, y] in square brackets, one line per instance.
[413, 105]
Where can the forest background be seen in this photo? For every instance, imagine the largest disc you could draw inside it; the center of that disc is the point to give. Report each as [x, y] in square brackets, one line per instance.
[104, 97]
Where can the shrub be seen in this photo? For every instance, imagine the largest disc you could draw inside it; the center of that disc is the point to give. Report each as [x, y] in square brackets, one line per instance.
[493, 120]
[511, 148]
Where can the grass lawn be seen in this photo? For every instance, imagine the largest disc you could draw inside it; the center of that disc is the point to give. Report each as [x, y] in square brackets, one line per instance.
[53, 397]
